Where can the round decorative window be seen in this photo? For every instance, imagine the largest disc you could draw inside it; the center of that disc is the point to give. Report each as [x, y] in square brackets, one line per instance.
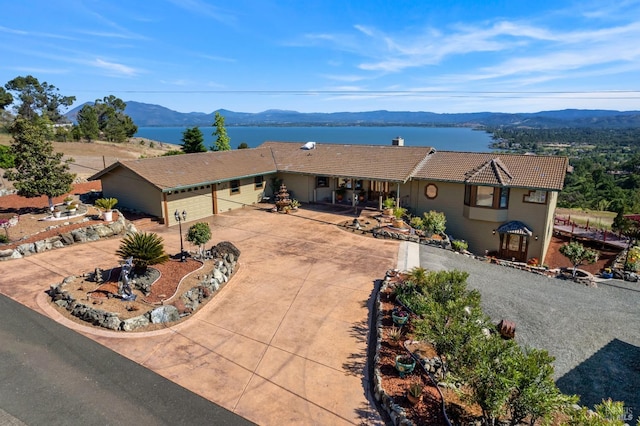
[431, 191]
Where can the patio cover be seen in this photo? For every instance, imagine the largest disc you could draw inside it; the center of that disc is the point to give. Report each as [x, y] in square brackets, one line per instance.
[514, 227]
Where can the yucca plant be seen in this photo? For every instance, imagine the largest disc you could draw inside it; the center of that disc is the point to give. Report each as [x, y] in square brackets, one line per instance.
[145, 248]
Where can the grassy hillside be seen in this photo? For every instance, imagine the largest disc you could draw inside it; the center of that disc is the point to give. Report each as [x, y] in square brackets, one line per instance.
[90, 158]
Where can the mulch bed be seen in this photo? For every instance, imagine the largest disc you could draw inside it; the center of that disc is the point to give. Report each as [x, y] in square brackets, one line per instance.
[428, 410]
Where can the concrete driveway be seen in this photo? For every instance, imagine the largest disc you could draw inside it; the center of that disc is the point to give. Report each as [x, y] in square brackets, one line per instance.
[284, 342]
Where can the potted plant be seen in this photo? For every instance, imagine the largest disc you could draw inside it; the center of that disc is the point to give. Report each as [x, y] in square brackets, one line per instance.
[387, 206]
[71, 208]
[295, 204]
[399, 316]
[395, 336]
[340, 193]
[107, 205]
[415, 393]
[398, 214]
[68, 199]
[361, 195]
[56, 213]
[405, 364]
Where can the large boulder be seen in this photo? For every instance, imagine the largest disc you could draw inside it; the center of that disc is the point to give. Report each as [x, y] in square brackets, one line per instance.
[167, 313]
[135, 323]
[224, 247]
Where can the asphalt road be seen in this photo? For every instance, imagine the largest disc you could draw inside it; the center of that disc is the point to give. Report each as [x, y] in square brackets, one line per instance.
[50, 375]
[594, 333]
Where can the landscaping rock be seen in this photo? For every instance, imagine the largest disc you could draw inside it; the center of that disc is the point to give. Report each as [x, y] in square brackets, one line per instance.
[224, 247]
[103, 231]
[26, 249]
[135, 323]
[42, 246]
[79, 235]
[91, 234]
[111, 322]
[67, 238]
[163, 314]
[6, 253]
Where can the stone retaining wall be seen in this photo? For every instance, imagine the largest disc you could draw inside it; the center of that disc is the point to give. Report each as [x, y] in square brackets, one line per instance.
[79, 235]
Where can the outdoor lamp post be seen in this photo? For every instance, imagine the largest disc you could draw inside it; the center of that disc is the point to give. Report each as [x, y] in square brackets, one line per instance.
[180, 219]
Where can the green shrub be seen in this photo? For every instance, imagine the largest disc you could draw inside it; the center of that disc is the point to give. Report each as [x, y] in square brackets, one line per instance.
[504, 380]
[605, 414]
[399, 212]
[417, 223]
[4, 239]
[434, 222]
[459, 245]
[633, 260]
[199, 234]
[145, 248]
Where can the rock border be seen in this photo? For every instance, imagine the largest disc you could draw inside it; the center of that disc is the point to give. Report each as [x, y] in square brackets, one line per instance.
[185, 305]
[395, 411]
[79, 235]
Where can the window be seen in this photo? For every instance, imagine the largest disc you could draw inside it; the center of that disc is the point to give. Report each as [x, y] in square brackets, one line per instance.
[258, 182]
[486, 196]
[322, 182]
[504, 198]
[431, 191]
[235, 186]
[537, 197]
[344, 183]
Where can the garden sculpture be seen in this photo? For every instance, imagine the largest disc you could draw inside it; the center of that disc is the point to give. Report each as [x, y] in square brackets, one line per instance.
[126, 293]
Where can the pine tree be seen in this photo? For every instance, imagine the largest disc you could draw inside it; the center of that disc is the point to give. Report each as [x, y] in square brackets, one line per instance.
[193, 141]
[37, 169]
[223, 142]
[88, 123]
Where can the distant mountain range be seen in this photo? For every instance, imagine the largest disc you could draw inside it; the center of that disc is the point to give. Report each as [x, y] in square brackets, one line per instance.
[150, 115]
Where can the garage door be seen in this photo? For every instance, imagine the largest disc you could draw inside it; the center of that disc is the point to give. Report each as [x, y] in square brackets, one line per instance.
[197, 202]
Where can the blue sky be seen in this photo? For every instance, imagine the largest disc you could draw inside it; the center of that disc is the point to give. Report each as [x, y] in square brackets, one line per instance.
[328, 56]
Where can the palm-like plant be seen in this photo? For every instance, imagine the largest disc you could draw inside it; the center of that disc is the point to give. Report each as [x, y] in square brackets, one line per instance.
[106, 204]
[145, 248]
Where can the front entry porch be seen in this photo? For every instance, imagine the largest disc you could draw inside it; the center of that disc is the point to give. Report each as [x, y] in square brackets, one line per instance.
[514, 241]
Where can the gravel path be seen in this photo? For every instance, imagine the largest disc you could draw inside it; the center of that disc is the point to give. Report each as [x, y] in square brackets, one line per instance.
[594, 333]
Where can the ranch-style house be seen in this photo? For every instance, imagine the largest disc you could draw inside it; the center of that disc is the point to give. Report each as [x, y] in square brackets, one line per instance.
[499, 203]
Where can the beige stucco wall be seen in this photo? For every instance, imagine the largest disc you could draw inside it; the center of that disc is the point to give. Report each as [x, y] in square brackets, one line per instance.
[548, 234]
[300, 187]
[535, 216]
[132, 191]
[247, 195]
[479, 233]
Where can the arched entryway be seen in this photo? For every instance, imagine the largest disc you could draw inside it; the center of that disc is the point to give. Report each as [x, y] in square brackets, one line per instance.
[514, 241]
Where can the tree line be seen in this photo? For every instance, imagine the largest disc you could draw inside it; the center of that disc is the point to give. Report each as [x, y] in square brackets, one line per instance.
[605, 163]
[31, 163]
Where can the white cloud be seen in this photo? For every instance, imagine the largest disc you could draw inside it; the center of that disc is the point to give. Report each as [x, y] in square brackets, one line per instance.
[115, 68]
[200, 7]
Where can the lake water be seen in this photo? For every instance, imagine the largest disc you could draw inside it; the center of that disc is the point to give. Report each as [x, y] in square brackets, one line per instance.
[443, 139]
